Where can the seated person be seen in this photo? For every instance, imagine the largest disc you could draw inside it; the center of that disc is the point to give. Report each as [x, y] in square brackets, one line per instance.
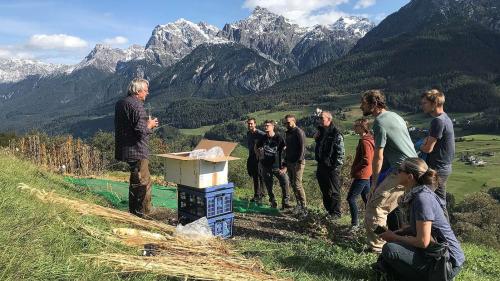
[407, 257]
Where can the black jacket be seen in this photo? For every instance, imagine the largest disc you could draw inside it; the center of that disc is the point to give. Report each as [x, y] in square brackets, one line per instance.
[329, 150]
[295, 145]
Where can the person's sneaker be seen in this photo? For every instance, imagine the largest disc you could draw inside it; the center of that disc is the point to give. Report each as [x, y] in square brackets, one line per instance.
[274, 205]
[286, 206]
[368, 249]
[354, 228]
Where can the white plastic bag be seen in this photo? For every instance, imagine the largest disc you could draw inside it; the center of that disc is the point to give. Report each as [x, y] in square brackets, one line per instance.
[199, 229]
[197, 153]
[213, 152]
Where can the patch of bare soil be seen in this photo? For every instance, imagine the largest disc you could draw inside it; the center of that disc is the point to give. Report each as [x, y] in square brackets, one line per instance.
[282, 227]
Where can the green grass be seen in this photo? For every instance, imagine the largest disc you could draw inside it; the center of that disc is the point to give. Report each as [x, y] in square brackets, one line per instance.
[466, 178]
[309, 259]
[39, 241]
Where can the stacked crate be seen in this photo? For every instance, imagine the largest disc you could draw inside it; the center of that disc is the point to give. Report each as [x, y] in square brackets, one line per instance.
[215, 203]
[203, 187]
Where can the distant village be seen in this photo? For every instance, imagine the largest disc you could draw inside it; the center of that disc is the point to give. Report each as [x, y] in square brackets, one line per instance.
[475, 160]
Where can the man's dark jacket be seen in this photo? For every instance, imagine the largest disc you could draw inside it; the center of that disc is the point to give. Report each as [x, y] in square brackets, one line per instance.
[131, 131]
[329, 150]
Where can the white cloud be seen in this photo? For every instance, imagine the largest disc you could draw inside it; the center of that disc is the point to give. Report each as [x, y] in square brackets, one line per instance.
[56, 41]
[10, 52]
[304, 13]
[362, 4]
[118, 40]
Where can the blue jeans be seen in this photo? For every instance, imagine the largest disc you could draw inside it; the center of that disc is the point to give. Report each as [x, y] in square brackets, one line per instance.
[409, 263]
[358, 187]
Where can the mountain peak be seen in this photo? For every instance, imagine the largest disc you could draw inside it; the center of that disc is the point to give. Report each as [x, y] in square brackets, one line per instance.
[356, 26]
[13, 70]
[262, 11]
[105, 57]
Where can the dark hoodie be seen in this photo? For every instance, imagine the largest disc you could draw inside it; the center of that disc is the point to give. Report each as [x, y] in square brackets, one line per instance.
[362, 164]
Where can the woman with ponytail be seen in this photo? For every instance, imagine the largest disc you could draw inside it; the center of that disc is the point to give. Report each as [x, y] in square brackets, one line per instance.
[409, 253]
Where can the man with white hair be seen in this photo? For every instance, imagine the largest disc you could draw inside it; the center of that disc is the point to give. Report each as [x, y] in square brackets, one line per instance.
[132, 130]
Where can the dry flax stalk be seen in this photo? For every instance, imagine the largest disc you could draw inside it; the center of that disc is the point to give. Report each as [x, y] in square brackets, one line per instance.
[180, 266]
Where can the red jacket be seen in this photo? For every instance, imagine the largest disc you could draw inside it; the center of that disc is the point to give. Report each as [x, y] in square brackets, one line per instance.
[362, 165]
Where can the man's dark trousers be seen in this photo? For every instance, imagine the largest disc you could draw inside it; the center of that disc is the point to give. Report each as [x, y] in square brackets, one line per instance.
[329, 183]
[258, 182]
[139, 196]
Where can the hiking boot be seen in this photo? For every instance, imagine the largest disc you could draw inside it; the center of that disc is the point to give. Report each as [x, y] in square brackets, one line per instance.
[274, 205]
[158, 214]
[286, 206]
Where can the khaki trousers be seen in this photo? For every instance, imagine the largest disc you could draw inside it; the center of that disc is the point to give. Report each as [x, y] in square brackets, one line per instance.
[295, 172]
[381, 201]
[139, 196]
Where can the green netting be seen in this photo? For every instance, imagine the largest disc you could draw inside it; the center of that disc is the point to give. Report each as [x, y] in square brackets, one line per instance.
[116, 193]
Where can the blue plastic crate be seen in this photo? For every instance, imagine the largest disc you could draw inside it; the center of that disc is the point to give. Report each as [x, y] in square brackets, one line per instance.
[221, 226]
[206, 202]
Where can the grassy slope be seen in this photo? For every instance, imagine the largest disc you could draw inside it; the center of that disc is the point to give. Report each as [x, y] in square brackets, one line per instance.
[42, 242]
[466, 178]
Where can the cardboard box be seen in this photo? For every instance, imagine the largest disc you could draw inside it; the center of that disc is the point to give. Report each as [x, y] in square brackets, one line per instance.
[200, 173]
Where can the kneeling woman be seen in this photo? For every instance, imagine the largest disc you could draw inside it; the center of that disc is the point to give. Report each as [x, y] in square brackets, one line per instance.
[406, 257]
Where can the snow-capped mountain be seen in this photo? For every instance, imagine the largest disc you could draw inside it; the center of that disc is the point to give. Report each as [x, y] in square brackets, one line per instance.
[352, 27]
[106, 58]
[326, 42]
[180, 59]
[289, 43]
[171, 42]
[266, 32]
[13, 70]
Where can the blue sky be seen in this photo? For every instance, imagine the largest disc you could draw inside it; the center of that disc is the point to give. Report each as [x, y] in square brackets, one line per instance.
[60, 31]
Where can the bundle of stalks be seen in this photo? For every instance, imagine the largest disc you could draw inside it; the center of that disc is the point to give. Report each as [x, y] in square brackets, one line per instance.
[86, 208]
[139, 238]
[181, 266]
[206, 259]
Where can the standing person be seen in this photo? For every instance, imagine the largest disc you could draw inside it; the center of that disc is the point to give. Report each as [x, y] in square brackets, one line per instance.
[440, 144]
[254, 135]
[294, 159]
[132, 130]
[392, 146]
[404, 256]
[361, 169]
[271, 164]
[329, 153]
